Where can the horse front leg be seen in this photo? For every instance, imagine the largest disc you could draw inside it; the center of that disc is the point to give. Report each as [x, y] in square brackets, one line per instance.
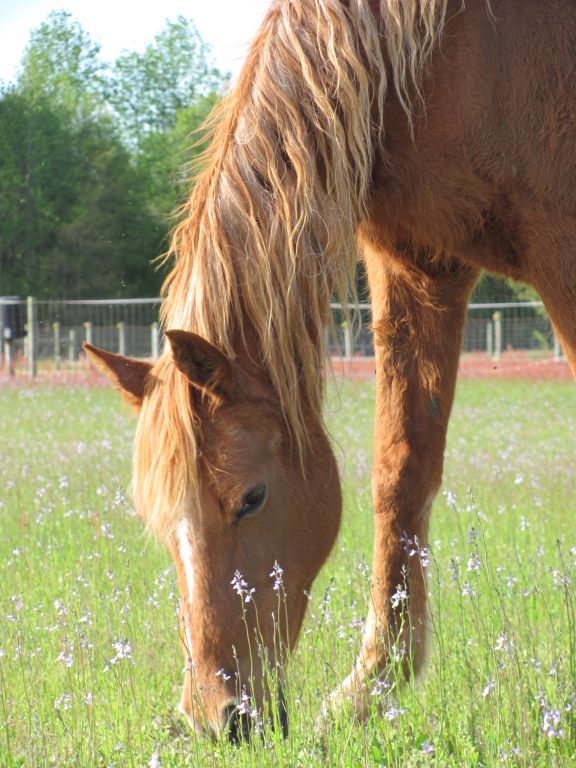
[418, 316]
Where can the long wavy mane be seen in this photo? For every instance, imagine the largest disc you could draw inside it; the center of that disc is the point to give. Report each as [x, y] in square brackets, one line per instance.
[268, 234]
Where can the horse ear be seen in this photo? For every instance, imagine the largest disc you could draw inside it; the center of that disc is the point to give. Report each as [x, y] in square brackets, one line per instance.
[205, 367]
[126, 374]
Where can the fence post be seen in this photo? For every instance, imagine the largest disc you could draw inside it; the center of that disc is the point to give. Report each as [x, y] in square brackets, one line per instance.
[347, 341]
[557, 348]
[489, 339]
[121, 338]
[72, 345]
[88, 334]
[497, 318]
[8, 358]
[56, 329]
[32, 337]
[154, 340]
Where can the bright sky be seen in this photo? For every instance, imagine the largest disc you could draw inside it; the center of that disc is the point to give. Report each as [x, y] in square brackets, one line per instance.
[227, 25]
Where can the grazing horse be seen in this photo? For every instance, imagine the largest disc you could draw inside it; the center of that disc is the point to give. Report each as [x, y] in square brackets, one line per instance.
[432, 137]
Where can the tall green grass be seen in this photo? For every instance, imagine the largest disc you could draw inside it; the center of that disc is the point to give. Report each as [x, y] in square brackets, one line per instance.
[90, 664]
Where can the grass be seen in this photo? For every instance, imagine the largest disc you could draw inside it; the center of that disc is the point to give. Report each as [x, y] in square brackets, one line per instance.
[90, 666]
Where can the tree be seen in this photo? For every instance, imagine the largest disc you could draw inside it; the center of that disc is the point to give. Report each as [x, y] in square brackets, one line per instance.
[61, 66]
[166, 159]
[86, 190]
[493, 288]
[74, 216]
[38, 176]
[161, 98]
[147, 90]
[107, 246]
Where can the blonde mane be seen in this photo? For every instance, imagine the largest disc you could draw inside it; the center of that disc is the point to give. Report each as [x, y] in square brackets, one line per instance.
[268, 234]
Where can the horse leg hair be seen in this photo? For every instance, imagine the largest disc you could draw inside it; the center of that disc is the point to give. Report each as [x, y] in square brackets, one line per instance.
[419, 312]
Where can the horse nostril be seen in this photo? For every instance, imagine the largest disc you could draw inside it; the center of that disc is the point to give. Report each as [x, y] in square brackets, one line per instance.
[283, 713]
[238, 724]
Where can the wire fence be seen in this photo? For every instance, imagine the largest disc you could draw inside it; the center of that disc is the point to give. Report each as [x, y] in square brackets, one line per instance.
[52, 332]
[492, 328]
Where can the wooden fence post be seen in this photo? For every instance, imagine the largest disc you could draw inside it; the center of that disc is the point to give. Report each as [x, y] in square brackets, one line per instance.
[347, 341]
[72, 345]
[57, 358]
[32, 336]
[497, 318]
[88, 333]
[121, 338]
[557, 348]
[154, 341]
[8, 357]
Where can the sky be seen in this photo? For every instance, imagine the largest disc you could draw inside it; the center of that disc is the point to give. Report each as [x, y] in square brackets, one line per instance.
[227, 25]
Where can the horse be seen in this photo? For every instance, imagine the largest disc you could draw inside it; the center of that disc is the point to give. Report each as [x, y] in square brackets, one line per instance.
[430, 139]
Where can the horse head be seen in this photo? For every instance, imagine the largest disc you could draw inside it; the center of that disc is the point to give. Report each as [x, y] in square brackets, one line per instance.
[248, 523]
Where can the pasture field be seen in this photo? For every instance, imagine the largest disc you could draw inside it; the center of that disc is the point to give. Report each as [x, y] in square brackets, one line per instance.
[90, 664]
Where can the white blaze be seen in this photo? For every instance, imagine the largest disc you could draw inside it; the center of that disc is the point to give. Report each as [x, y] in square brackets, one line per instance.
[184, 538]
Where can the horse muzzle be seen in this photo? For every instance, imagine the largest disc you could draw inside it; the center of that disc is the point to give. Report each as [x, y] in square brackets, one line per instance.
[241, 724]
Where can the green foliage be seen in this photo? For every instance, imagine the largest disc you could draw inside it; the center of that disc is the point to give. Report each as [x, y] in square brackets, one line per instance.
[491, 288]
[61, 66]
[39, 174]
[107, 247]
[93, 159]
[149, 89]
[166, 158]
[73, 210]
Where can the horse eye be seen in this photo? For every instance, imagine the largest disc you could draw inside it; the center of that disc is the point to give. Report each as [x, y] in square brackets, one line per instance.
[252, 501]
